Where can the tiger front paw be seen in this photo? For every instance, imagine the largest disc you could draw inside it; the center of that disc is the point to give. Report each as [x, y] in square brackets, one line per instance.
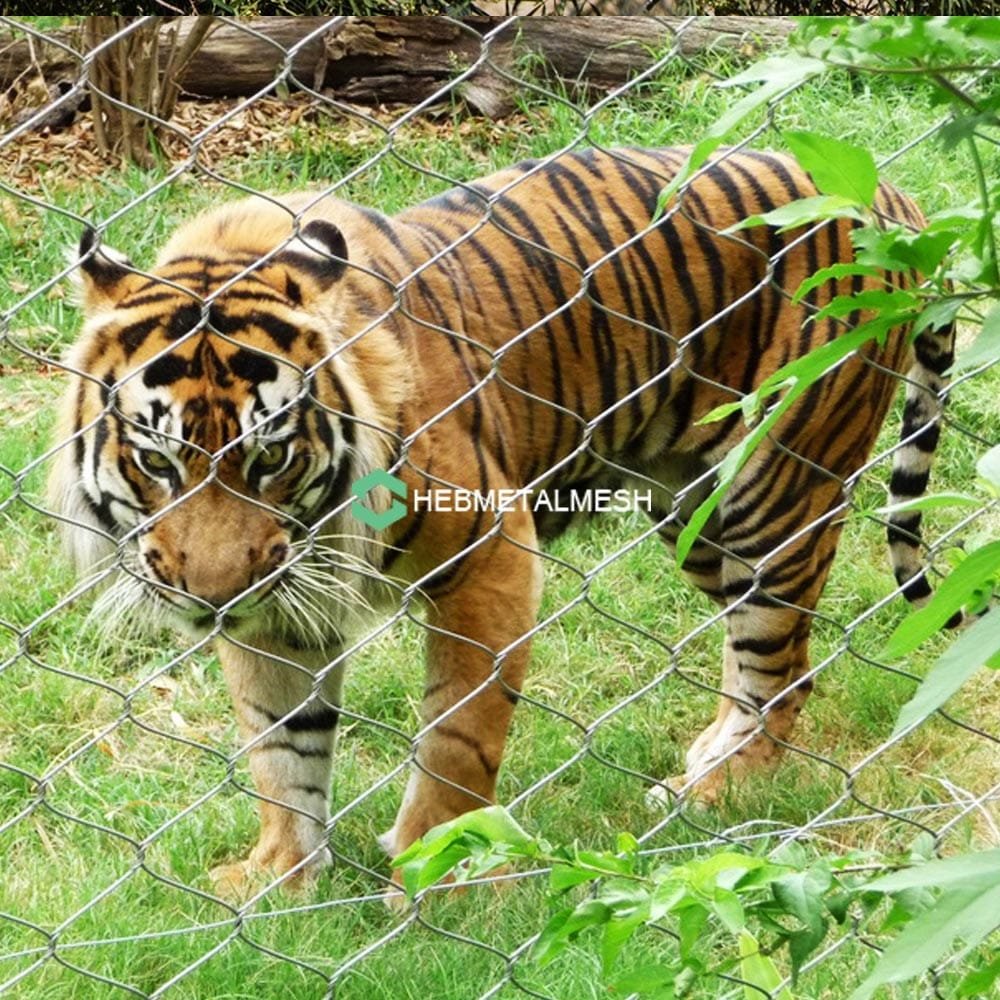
[294, 871]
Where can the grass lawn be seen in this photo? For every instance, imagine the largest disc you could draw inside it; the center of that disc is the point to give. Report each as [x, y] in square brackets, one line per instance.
[109, 856]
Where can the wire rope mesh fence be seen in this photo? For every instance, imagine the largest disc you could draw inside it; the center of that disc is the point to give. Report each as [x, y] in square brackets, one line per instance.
[276, 436]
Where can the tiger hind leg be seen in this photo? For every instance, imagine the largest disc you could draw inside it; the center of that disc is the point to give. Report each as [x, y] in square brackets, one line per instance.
[764, 686]
[773, 572]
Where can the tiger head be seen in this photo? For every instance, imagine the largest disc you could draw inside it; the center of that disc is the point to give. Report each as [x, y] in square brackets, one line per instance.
[220, 407]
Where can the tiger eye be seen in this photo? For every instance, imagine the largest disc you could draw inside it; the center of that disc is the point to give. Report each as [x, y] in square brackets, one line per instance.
[271, 456]
[156, 461]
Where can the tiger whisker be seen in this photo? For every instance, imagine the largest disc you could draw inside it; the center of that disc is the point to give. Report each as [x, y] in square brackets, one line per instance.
[319, 582]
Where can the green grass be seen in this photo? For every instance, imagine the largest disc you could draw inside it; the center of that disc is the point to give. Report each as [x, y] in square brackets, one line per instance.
[130, 761]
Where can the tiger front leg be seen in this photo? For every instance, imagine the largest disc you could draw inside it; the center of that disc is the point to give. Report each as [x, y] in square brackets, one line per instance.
[289, 724]
[471, 688]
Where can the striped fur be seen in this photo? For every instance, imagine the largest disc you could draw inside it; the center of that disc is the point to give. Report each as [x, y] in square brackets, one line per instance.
[534, 328]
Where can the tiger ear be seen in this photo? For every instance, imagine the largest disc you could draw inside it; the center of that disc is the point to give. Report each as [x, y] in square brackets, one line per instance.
[101, 272]
[314, 261]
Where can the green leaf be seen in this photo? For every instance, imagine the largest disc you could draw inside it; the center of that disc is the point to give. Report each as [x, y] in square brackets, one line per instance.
[691, 921]
[447, 845]
[603, 861]
[923, 251]
[838, 905]
[708, 872]
[565, 925]
[802, 212]
[563, 877]
[984, 349]
[727, 907]
[906, 905]
[493, 825]
[627, 844]
[764, 875]
[785, 70]
[802, 943]
[930, 502]
[776, 74]
[734, 461]
[643, 979]
[552, 940]
[616, 932]
[956, 218]
[792, 854]
[988, 466]
[625, 897]
[967, 913]
[758, 970]
[666, 895]
[978, 982]
[801, 895]
[957, 588]
[923, 847]
[832, 273]
[974, 648]
[898, 249]
[963, 869]
[938, 314]
[837, 168]
[895, 303]
[722, 411]
[421, 874]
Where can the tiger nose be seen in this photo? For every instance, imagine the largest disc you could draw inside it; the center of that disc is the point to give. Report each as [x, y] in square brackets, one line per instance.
[225, 573]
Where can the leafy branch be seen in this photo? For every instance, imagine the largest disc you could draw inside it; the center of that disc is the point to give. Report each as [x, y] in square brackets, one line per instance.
[732, 913]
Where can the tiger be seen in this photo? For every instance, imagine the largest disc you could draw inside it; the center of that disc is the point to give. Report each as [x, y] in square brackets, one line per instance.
[541, 328]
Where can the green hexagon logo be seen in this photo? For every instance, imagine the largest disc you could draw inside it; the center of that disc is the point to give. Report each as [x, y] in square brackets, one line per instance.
[378, 520]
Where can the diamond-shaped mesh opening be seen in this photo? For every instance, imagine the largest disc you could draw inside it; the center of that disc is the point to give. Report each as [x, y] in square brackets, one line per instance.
[123, 779]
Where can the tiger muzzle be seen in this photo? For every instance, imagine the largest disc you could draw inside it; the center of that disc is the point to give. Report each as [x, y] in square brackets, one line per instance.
[216, 547]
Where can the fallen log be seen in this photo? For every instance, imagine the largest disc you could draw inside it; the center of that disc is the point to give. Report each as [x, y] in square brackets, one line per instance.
[407, 59]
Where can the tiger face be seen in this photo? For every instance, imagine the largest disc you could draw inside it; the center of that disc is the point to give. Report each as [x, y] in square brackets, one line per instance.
[542, 326]
[214, 431]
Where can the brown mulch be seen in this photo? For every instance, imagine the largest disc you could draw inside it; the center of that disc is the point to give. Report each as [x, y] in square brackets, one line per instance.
[71, 154]
[37, 161]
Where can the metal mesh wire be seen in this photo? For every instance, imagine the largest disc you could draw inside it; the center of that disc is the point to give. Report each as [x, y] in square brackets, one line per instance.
[132, 760]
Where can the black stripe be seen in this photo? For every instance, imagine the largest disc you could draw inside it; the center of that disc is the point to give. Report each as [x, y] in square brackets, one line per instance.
[165, 371]
[252, 366]
[904, 528]
[282, 333]
[712, 255]
[291, 748]
[184, 319]
[134, 335]
[914, 589]
[151, 298]
[926, 441]
[761, 646]
[905, 483]
[347, 409]
[261, 295]
[310, 720]
[930, 355]
[310, 790]
[306, 720]
[473, 744]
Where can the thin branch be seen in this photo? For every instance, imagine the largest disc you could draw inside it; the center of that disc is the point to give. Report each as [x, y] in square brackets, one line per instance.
[176, 64]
